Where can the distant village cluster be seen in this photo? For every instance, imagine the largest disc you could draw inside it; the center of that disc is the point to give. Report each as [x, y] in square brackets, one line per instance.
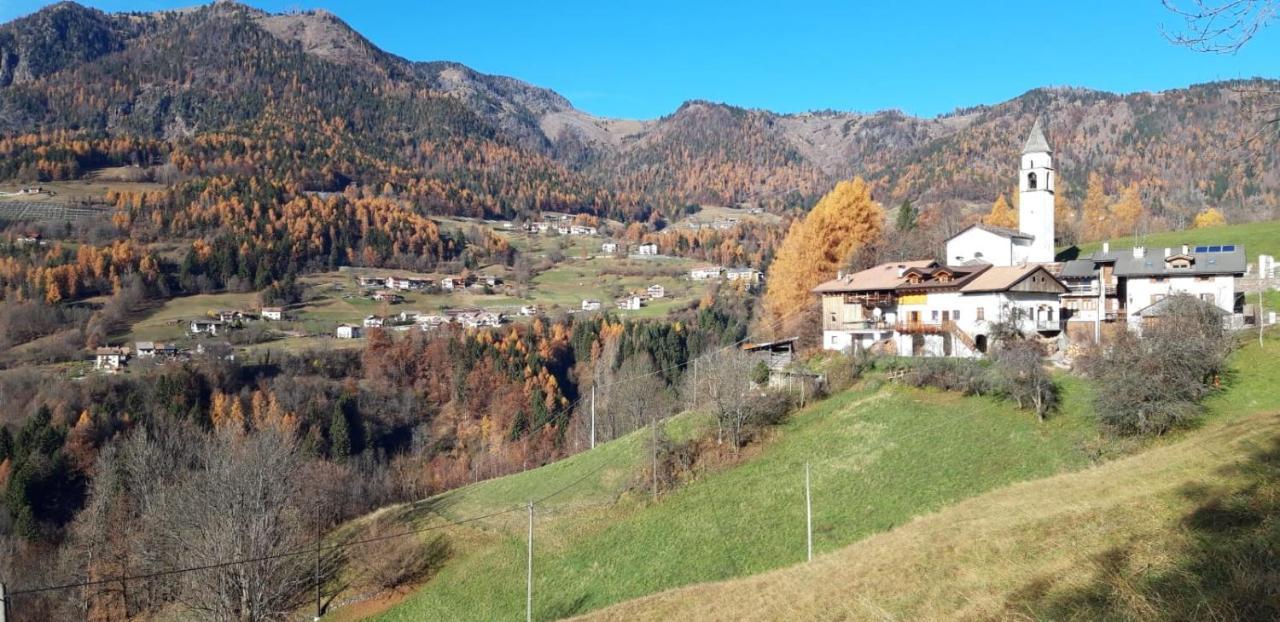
[994, 275]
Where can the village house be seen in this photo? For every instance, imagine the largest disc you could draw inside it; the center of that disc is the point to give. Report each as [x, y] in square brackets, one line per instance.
[405, 283]
[530, 310]
[582, 230]
[656, 291]
[590, 305]
[369, 281]
[34, 238]
[1137, 278]
[451, 283]
[705, 273]
[205, 326]
[430, 322]
[748, 275]
[274, 314]
[347, 331]
[479, 319]
[408, 317]
[648, 248]
[388, 297]
[231, 316]
[609, 247]
[110, 359]
[923, 308]
[373, 321]
[154, 349]
[630, 302]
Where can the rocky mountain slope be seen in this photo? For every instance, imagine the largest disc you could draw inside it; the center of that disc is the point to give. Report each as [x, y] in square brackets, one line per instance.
[1187, 148]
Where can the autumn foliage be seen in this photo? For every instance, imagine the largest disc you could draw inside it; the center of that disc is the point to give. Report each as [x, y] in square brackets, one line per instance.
[816, 247]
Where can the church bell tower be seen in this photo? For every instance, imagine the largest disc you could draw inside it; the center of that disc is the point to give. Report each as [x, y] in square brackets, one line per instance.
[1035, 195]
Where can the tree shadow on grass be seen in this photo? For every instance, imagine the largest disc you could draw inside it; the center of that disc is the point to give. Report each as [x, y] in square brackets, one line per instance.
[1230, 570]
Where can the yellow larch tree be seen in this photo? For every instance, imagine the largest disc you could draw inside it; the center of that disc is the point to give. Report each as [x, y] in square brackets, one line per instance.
[816, 246]
[1093, 213]
[1001, 215]
[1127, 212]
[1208, 218]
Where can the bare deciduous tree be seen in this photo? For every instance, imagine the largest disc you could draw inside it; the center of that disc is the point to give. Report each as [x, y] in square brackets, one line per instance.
[724, 383]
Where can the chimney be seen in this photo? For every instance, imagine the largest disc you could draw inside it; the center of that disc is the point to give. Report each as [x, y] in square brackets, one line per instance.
[1168, 251]
[1106, 247]
[1139, 252]
[840, 274]
[1185, 249]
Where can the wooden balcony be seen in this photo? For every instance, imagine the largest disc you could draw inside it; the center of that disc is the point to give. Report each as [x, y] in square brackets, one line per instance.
[922, 328]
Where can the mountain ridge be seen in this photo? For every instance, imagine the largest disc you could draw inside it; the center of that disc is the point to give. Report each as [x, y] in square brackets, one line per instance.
[704, 151]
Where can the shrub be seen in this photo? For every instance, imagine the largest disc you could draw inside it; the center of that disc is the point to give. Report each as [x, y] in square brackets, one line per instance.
[1151, 383]
[391, 560]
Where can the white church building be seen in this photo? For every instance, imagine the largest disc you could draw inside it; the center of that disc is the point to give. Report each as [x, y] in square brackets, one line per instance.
[1033, 241]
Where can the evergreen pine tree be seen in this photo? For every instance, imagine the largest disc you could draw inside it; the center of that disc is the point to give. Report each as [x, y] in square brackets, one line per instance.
[907, 215]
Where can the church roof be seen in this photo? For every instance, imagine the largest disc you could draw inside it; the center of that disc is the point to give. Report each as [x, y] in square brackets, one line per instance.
[1036, 142]
[1003, 232]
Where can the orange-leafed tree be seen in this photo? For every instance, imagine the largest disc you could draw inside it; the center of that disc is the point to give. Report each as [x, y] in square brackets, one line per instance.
[815, 247]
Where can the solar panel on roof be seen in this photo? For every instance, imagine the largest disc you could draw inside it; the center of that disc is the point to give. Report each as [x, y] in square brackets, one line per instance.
[1228, 248]
[1215, 249]
[1202, 249]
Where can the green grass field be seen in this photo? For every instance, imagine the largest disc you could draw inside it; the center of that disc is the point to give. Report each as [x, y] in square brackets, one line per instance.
[879, 458]
[1257, 238]
[1182, 531]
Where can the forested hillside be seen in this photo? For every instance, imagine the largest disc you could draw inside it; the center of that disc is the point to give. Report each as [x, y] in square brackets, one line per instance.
[325, 108]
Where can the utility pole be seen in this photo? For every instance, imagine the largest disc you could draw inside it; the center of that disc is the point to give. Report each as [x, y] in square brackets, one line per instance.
[693, 397]
[528, 599]
[1261, 313]
[653, 423]
[319, 612]
[593, 416]
[1102, 308]
[808, 510]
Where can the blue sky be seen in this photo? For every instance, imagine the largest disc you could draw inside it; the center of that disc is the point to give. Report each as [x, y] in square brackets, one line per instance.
[641, 60]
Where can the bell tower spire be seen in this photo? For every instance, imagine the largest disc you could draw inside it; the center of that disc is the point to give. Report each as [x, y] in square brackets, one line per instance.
[1035, 195]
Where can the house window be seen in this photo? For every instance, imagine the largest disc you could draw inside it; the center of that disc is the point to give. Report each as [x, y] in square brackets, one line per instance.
[977, 255]
[982, 314]
[1204, 278]
[955, 315]
[935, 315]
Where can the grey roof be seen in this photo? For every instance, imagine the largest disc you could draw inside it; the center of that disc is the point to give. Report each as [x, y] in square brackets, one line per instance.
[1078, 269]
[1003, 232]
[1036, 142]
[1203, 263]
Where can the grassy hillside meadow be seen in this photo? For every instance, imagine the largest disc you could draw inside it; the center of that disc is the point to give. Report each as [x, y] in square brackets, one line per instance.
[1183, 531]
[880, 456]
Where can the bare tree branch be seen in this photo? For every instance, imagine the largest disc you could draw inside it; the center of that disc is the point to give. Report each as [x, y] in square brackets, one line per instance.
[1219, 26]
